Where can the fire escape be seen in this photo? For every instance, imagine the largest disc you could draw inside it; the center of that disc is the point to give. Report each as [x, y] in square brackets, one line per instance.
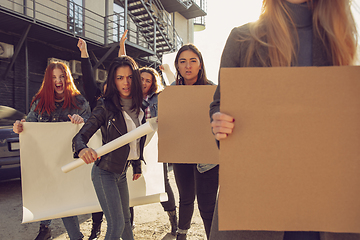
[153, 25]
[60, 24]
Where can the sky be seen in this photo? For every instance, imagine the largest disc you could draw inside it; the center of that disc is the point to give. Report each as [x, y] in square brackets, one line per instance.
[222, 16]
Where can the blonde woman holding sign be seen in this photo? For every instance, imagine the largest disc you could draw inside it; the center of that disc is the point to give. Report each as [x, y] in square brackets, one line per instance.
[288, 33]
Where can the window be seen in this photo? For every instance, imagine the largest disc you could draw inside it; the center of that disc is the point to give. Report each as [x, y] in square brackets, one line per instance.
[118, 22]
[76, 17]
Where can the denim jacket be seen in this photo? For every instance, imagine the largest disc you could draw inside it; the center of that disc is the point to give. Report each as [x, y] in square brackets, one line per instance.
[60, 114]
[152, 103]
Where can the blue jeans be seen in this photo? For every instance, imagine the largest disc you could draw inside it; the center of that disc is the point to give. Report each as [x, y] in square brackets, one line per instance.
[113, 195]
[72, 227]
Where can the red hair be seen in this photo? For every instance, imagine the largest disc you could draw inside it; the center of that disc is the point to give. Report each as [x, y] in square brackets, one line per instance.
[46, 93]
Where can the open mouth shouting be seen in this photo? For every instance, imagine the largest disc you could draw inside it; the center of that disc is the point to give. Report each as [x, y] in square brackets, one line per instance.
[58, 81]
[126, 90]
[59, 87]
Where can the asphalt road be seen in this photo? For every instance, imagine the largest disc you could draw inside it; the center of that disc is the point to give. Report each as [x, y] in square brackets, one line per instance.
[151, 222]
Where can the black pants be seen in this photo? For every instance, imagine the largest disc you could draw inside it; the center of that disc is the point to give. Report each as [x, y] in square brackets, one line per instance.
[97, 217]
[191, 183]
[169, 205]
[301, 236]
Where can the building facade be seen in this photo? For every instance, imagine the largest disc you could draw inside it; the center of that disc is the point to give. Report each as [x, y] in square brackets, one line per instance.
[34, 32]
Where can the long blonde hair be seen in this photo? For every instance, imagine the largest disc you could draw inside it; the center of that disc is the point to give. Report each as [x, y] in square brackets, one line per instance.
[333, 23]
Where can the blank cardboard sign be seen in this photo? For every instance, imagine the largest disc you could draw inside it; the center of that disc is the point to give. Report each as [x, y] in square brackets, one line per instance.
[293, 160]
[184, 125]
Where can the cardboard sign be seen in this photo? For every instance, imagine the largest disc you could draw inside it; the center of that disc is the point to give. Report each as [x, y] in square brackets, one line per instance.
[293, 160]
[184, 125]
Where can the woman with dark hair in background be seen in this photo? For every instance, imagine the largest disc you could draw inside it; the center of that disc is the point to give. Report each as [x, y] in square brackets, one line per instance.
[200, 180]
[288, 33]
[152, 86]
[58, 100]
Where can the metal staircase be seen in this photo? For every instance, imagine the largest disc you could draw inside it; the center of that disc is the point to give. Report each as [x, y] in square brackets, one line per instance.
[151, 20]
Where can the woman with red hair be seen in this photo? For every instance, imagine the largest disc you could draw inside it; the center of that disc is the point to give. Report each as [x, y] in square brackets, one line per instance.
[58, 100]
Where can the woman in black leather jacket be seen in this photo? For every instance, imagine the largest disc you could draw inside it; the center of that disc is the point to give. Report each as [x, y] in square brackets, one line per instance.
[117, 113]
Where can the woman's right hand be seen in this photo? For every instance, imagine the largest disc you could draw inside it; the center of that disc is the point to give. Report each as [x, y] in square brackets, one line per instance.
[164, 67]
[18, 126]
[123, 37]
[83, 48]
[88, 155]
[222, 125]
[76, 118]
[122, 51]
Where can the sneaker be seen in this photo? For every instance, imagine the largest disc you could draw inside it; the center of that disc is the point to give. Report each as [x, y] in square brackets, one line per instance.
[44, 233]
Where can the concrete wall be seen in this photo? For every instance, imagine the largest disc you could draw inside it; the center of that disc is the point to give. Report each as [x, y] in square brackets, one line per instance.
[15, 5]
[184, 27]
[94, 19]
[54, 13]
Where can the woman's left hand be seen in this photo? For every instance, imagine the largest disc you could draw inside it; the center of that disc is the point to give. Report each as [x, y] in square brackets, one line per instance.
[76, 119]
[136, 176]
[222, 125]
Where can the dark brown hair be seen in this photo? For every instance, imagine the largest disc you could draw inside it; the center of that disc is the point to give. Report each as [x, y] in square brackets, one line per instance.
[136, 87]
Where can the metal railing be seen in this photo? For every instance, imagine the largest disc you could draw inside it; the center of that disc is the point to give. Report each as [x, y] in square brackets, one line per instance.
[200, 21]
[201, 4]
[116, 27]
[82, 22]
[170, 30]
[70, 16]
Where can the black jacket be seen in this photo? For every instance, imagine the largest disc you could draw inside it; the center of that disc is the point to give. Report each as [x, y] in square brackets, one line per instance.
[112, 123]
[92, 92]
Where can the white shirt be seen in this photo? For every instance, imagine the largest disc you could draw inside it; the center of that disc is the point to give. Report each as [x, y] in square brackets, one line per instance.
[134, 153]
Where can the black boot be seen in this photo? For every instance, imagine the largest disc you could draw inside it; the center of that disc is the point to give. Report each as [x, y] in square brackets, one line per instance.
[180, 236]
[173, 221]
[44, 233]
[95, 231]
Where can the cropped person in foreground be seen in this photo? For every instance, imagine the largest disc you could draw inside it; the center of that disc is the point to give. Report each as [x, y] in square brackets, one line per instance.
[288, 33]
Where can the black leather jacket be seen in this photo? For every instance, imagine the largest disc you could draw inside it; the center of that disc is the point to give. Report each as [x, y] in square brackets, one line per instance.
[112, 123]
